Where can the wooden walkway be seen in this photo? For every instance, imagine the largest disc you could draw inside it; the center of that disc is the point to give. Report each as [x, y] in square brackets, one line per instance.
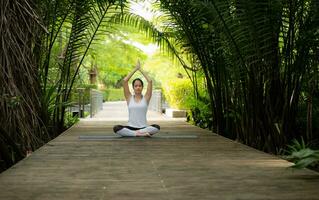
[206, 166]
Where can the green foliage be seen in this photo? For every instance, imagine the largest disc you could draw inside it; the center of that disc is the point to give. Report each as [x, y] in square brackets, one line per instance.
[302, 155]
[177, 92]
[71, 29]
[113, 95]
[199, 113]
[163, 69]
[70, 120]
[45, 43]
[113, 59]
[257, 57]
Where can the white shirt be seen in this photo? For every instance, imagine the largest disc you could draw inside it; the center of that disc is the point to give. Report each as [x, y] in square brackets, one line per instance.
[137, 112]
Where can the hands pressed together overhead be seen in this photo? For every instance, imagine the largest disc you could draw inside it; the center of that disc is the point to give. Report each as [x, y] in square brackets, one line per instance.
[138, 65]
[127, 92]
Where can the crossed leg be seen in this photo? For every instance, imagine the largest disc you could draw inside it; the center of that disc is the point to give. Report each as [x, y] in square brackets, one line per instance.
[127, 131]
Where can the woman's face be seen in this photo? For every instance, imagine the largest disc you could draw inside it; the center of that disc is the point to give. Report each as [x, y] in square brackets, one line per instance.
[138, 87]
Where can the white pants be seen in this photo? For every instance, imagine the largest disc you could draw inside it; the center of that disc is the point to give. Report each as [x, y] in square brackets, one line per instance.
[127, 131]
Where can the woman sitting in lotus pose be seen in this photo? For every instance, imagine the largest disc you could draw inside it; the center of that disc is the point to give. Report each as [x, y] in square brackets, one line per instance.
[137, 107]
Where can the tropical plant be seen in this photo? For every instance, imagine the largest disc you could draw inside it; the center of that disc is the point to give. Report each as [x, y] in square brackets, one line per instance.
[83, 20]
[302, 155]
[111, 67]
[255, 57]
[38, 78]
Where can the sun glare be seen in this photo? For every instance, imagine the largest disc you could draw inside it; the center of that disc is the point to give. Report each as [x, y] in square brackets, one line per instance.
[149, 49]
[143, 9]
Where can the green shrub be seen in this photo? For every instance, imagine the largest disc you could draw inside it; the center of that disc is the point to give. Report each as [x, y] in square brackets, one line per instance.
[177, 92]
[69, 120]
[113, 95]
[199, 112]
[302, 155]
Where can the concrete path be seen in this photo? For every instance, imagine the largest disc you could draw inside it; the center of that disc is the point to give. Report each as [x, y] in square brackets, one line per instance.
[207, 166]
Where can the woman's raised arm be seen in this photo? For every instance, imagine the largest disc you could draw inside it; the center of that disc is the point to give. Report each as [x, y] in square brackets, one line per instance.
[127, 92]
[148, 93]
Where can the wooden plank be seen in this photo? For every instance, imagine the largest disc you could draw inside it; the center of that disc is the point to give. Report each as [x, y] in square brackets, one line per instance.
[208, 167]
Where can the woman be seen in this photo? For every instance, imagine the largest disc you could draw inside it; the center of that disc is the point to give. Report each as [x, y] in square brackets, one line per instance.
[137, 107]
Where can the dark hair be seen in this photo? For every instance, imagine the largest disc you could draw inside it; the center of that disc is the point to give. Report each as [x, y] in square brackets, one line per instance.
[137, 79]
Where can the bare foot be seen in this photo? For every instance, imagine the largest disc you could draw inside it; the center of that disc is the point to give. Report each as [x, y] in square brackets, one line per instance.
[139, 134]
